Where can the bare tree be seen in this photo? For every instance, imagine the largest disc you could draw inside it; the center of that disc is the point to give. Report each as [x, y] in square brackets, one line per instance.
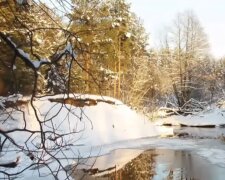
[47, 143]
[187, 46]
[47, 49]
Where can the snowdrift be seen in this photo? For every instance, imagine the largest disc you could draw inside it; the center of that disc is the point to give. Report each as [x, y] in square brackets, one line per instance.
[105, 122]
[209, 118]
[72, 122]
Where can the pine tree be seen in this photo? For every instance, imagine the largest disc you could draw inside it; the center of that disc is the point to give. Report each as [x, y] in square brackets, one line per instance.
[34, 29]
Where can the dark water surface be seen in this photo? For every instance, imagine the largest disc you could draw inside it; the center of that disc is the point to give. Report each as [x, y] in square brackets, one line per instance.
[195, 132]
[176, 158]
[171, 164]
[156, 164]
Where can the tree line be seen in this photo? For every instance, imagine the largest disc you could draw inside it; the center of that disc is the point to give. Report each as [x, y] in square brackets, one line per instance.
[111, 54]
[96, 47]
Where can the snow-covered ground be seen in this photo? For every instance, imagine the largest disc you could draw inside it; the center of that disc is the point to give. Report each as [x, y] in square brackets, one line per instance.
[92, 131]
[89, 126]
[210, 117]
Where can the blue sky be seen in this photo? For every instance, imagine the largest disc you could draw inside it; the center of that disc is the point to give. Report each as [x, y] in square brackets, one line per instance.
[157, 14]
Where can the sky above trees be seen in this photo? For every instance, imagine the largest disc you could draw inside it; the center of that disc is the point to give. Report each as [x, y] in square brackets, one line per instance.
[157, 15]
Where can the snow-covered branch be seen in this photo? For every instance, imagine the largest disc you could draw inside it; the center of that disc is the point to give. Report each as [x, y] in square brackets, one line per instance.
[36, 64]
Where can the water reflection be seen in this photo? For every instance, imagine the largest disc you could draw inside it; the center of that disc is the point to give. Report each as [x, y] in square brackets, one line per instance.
[153, 164]
[141, 167]
[195, 132]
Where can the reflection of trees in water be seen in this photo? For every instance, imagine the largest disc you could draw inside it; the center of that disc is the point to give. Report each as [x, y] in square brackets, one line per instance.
[177, 173]
[163, 164]
[182, 173]
[142, 167]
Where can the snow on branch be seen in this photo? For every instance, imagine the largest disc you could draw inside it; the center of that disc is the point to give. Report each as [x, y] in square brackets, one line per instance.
[24, 2]
[69, 49]
[12, 164]
[36, 64]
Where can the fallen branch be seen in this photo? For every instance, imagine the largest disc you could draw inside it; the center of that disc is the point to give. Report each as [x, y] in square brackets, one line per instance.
[11, 164]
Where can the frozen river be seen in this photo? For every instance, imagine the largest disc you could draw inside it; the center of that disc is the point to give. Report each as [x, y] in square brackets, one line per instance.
[198, 155]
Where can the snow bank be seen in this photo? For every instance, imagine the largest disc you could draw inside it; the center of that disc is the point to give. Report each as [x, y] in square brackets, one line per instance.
[212, 117]
[88, 126]
[115, 159]
[214, 156]
[97, 125]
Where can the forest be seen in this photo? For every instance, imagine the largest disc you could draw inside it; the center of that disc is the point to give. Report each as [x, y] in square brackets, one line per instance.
[62, 50]
[111, 54]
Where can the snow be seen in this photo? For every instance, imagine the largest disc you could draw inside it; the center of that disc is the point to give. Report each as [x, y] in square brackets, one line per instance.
[26, 55]
[14, 67]
[215, 116]
[12, 42]
[214, 156]
[21, 2]
[120, 19]
[101, 124]
[116, 158]
[36, 64]
[69, 49]
[203, 148]
[92, 127]
[128, 34]
[115, 24]
[98, 130]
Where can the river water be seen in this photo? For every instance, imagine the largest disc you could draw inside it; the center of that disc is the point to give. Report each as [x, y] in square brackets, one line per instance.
[176, 159]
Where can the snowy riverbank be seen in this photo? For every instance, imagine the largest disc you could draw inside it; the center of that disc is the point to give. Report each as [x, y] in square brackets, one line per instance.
[208, 118]
[80, 121]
